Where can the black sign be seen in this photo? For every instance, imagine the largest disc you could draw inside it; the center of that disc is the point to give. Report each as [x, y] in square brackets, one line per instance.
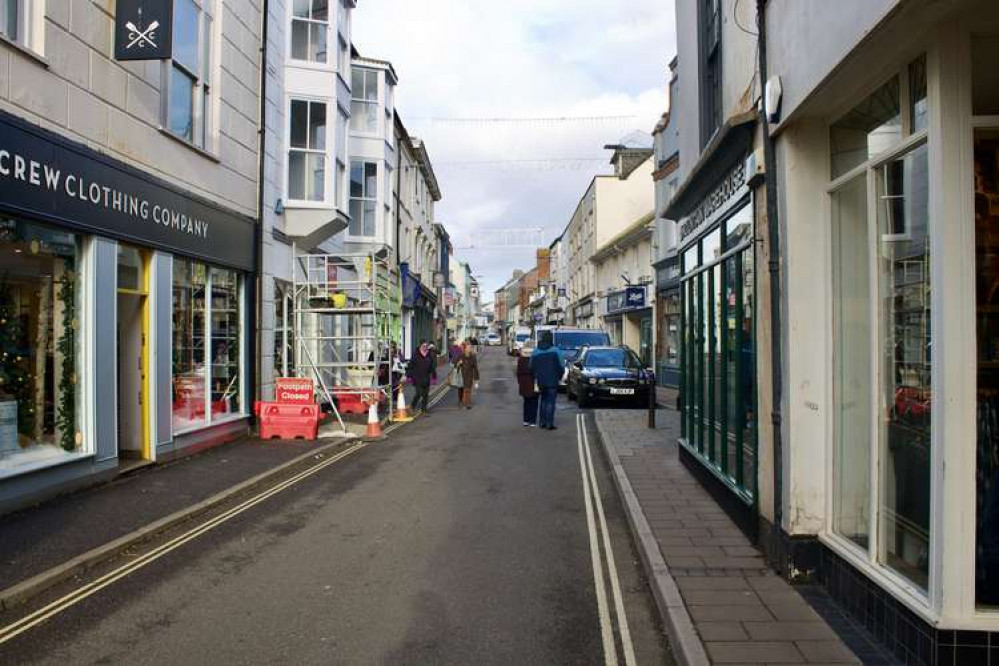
[632, 298]
[143, 30]
[46, 177]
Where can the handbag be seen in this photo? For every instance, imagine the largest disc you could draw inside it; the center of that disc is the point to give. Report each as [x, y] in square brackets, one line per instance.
[455, 379]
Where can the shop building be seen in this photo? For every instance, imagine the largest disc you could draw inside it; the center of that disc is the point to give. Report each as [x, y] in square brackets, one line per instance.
[888, 159]
[128, 193]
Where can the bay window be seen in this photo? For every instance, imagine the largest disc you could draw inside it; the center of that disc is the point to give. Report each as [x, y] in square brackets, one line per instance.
[187, 109]
[310, 30]
[307, 151]
[882, 335]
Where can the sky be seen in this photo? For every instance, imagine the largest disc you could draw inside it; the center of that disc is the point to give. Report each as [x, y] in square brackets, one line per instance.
[462, 62]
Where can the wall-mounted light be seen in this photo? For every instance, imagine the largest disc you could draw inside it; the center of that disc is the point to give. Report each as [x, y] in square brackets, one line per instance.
[279, 207]
[774, 92]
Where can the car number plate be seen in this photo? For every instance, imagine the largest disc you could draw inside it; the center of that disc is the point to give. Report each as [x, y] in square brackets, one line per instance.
[619, 391]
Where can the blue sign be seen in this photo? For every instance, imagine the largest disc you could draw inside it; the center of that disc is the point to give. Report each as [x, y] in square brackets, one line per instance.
[635, 297]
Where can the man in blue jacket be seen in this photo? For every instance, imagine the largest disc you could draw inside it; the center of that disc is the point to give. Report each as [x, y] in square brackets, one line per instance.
[547, 365]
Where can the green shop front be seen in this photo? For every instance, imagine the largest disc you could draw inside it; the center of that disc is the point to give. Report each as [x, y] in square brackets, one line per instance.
[124, 328]
[718, 310]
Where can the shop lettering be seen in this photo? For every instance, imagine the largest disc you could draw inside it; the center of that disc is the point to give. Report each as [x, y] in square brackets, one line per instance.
[38, 174]
[725, 190]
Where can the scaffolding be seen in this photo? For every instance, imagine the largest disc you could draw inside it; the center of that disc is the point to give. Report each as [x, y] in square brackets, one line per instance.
[347, 312]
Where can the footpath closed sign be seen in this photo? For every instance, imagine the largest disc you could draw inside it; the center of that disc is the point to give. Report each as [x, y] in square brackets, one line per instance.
[294, 390]
[143, 30]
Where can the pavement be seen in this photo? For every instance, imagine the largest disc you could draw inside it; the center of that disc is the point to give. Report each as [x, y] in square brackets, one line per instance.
[720, 601]
[461, 538]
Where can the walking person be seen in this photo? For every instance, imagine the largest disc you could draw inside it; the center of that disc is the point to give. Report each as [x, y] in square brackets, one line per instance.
[547, 365]
[468, 368]
[528, 389]
[422, 369]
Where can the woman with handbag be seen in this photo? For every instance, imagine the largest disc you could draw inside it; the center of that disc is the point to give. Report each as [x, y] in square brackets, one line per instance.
[528, 389]
[467, 369]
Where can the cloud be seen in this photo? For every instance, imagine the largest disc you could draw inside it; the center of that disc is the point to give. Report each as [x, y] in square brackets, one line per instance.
[522, 59]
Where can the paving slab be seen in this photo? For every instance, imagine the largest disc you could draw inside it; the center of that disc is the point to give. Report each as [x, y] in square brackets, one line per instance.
[736, 609]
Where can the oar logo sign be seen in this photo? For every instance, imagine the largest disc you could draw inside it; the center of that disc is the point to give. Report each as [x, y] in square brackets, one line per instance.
[143, 29]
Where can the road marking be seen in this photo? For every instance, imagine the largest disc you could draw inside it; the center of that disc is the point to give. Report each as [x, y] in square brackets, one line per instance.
[78, 595]
[606, 631]
[622, 617]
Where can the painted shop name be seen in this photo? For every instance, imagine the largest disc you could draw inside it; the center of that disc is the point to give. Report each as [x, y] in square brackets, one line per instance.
[725, 190]
[38, 174]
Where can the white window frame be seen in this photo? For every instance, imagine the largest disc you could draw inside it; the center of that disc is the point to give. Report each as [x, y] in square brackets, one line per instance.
[305, 203]
[310, 22]
[354, 98]
[30, 26]
[203, 114]
[366, 196]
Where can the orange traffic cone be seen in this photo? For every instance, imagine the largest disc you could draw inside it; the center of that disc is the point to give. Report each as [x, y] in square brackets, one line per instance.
[401, 412]
[374, 423]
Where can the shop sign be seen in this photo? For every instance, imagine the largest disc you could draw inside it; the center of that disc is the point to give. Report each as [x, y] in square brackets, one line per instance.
[725, 190]
[143, 29]
[294, 390]
[45, 176]
[631, 298]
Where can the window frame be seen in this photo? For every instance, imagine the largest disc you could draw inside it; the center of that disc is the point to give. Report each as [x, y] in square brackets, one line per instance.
[375, 101]
[204, 97]
[869, 559]
[310, 22]
[364, 198]
[325, 152]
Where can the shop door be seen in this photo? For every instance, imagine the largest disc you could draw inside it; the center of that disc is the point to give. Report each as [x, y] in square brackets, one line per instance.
[645, 342]
[132, 338]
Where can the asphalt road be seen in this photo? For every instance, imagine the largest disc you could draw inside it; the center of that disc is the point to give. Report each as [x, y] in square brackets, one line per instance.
[462, 539]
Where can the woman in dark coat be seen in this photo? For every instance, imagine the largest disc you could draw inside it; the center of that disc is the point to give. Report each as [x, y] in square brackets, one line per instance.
[468, 366]
[525, 384]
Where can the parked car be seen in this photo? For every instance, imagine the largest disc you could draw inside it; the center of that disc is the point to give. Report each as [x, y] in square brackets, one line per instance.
[493, 340]
[573, 340]
[609, 373]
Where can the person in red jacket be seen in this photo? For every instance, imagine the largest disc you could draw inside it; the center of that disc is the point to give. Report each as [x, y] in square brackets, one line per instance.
[528, 391]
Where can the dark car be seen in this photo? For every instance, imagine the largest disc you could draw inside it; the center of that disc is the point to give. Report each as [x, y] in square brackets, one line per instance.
[609, 373]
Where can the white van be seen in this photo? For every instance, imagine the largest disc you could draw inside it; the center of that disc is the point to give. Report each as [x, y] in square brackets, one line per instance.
[519, 338]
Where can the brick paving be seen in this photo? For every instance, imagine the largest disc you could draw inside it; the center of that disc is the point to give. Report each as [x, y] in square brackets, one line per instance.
[742, 612]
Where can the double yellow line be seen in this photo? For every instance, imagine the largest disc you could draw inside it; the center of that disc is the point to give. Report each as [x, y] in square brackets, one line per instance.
[38, 617]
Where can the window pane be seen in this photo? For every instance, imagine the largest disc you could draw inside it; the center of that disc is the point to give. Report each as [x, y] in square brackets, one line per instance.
[299, 124]
[371, 85]
[356, 223]
[370, 117]
[185, 34]
[317, 176]
[852, 363]
[300, 40]
[747, 402]
[739, 227]
[39, 345]
[296, 175]
[320, 10]
[357, 179]
[369, 218]
[357, 83]
[301, 8]
[984, 75]
[225, 343]
[918, 109]
[870, 128]
[317, 126]
[206, 113]
[711, 246]
[206, 51]
[904, 265]
[317, 42]
[9, 19]
[181, 104]
[690, 259]
[188, 344]
[370, 180]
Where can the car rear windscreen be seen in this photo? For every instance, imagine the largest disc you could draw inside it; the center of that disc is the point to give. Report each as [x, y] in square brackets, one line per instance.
[577, 339]
[523, 337]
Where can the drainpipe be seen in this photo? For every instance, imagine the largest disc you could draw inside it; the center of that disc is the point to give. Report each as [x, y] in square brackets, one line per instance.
[256, 368]
[773, 241]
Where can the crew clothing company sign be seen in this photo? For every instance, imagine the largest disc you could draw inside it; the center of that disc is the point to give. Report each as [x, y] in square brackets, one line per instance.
[44, 176]
[143, 29]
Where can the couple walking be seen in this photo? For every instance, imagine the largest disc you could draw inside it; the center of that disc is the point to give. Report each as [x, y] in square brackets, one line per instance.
[538, 375]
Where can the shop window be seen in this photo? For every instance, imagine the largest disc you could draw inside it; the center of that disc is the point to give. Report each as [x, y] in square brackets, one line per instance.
[872, 127]
[205, 388]
[852, 363]
[985, 75]
[40, 340]
[918, 105]
[310, 30]
[187, 76]
[307, 151]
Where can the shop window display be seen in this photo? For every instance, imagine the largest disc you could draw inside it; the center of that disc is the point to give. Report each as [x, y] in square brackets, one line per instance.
[39, 342]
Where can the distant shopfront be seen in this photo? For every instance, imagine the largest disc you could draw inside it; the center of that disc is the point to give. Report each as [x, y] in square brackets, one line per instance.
[628, 320]
[667, 312]
[123, 315]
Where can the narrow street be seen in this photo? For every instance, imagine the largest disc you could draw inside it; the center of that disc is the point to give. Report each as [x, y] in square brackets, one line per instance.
[463, 538]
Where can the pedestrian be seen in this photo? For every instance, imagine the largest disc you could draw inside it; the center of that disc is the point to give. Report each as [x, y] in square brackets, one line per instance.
[468, 368]
[422, 369]
[528, 389]
[547, 365]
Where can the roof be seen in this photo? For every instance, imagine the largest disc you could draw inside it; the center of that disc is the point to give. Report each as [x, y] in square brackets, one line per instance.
[636, 140]
[385, 64]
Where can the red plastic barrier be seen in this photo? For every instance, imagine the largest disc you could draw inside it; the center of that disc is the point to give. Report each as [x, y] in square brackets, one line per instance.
[354, 401]
[285, 421]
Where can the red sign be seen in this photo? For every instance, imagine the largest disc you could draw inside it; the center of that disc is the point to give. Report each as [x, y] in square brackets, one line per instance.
[294, 390]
